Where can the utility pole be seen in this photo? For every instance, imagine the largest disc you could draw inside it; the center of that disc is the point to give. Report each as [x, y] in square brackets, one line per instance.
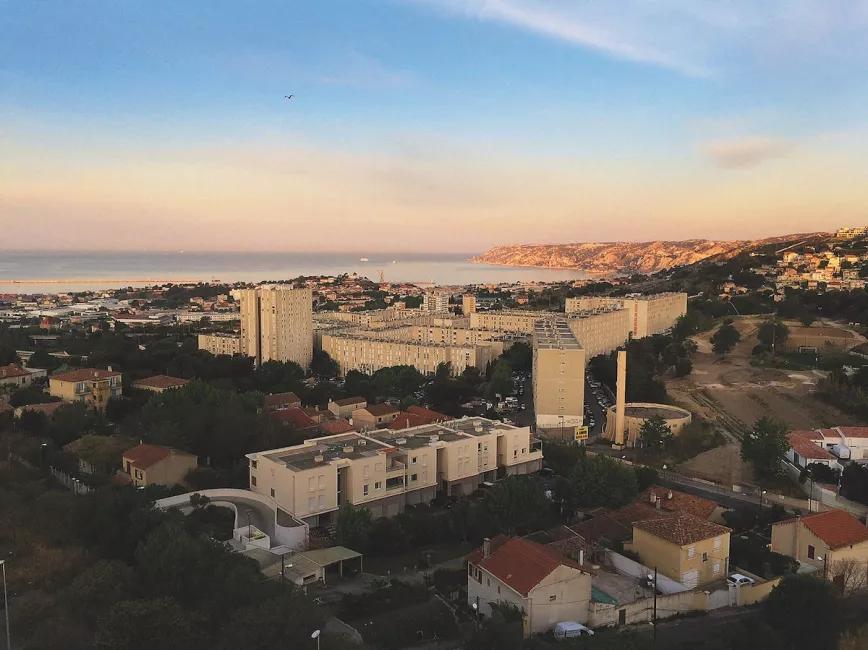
[654, 631]
[6, 607]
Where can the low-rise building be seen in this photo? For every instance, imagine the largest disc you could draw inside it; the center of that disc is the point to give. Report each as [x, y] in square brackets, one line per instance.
[385, 470]
[160, 383]
[545, 586]
[281, 401]
[687, 549]
[833, 542]
[374, 416]
[343, 408]
[156, 465]
[15, 376]
[93, 386]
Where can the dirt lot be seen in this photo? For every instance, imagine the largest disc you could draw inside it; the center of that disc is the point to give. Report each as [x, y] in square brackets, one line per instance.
[733, 394]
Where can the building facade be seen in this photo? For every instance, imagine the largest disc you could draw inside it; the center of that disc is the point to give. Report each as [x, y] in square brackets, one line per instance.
[649, 315]
[385, 470]
[220, 343]
[93, 386]
[277, 324]
[558, 380]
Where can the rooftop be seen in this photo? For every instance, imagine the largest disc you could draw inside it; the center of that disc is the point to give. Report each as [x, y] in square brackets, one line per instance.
[85, 374]
[143, 456]
[554, 334]
[519, 563]
[835, 527]
[12, 370]
[681, 529]
[348, 401]
[801, 443]
[280, 399]
[162, 381]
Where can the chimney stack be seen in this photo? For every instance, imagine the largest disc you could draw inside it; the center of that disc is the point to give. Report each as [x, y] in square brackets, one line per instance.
[486, 547]
[620, 398]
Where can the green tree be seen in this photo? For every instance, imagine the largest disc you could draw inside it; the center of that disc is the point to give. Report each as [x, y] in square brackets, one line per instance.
[516, 503]
[655, 433]
[146, 624]
[353, 526]
[764, 446]
[773, 333]
[602, 481]
[283, 621]
[501, 380]
[683, 367]
[805, 612]
[322, 365]
[30, 395]
[725, 338]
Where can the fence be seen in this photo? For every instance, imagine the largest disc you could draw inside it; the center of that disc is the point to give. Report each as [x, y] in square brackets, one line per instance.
[70, 482]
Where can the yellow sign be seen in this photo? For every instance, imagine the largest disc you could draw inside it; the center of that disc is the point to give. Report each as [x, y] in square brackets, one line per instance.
[581, 433]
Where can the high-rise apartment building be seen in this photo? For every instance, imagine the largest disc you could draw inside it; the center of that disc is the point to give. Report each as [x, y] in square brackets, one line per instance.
[558, 380]
[649, 315]
[220, 343]
[468, 304]
[277, 324]
[435, 301]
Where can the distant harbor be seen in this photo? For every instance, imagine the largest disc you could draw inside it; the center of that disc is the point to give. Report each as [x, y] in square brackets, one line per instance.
[55, 272]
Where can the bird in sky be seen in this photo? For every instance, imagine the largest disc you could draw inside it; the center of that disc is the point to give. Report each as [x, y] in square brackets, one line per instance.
[289, 96]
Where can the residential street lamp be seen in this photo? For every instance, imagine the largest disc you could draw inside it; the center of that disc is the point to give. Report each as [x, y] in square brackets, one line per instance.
[6, 607]
[823, 558]
[315, 636]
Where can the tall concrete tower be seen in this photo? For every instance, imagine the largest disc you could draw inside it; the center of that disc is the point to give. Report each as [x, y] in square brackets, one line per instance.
[620, 398]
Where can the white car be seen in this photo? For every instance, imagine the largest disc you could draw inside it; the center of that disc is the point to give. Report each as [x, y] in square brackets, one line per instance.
[737, 580]
[570, 630]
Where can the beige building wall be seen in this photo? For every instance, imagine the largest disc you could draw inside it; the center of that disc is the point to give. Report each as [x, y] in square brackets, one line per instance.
[563, 595]
[558, 379]
[169, 471]
[651, 314]
[602, 331]
[277, 324]
[794, 539]
[468, 304]
[217, 344]
[692, 565]
[93, 392]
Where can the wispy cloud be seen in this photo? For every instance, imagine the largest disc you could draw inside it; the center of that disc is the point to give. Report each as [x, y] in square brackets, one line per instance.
[749, 151]
[692, 37]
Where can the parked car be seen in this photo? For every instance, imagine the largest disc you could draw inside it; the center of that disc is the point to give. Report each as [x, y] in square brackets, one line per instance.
[737, 579]
[571, 630]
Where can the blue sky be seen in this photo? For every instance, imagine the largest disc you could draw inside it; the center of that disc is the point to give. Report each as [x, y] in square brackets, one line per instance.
[415, 123]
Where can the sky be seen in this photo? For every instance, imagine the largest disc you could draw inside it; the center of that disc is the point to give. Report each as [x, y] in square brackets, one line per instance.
[427, 125]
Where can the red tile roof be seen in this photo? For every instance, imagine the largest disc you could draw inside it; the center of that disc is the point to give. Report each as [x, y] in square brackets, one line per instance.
[854, 432]
[801, 443]
[334, 427]
[276, 400]
[347, 401]
[12, 370]
[603, 526]
[681, 529]
[519, 563]
[433, 416]
[294, 418]
[835, 527]
[48, 408]
[416, 416]
[381, 409]
[143, 456]
[162, 381]
[85, 374]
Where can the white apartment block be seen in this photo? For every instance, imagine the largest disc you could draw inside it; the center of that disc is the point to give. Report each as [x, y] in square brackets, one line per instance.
[220, 343]
[558, 380]
[277, 324]
[386, 470]
[649, 315]
[435, 301]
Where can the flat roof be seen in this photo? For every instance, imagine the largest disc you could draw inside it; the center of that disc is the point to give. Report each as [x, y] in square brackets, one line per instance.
[554, 334]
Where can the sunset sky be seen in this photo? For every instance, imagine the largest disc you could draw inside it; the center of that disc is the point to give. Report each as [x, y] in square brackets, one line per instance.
[448, 125]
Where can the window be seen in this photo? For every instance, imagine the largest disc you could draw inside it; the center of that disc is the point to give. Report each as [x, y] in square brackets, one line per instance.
[414, 477]
[553, 598]
[272, 493]
[311, 484]
[716, 568]
[515, 453]
[377, 485]
[253, 464]
[321, 481]
[717, 543]
[811, 552]
[413, 460]
[253, 481]
[488, 582]
[691, 551]
[365, 489]
[705, 557]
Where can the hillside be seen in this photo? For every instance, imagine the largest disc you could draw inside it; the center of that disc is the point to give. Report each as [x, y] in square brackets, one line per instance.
[620, 258]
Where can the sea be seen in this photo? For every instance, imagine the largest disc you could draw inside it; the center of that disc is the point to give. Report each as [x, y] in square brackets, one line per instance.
[47, 272]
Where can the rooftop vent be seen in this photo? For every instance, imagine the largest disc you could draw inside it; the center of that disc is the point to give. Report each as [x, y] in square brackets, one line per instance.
[362, 443]
[401, 441]
[318, 458]
[348, 449]
[434, 438]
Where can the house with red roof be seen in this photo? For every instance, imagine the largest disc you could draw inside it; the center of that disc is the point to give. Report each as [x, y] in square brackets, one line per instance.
[833, 542]
[845, 443]
[15, 376]
[547, 587]
[416, 416]
[156, 465]
[93, 386]
[160, 383]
